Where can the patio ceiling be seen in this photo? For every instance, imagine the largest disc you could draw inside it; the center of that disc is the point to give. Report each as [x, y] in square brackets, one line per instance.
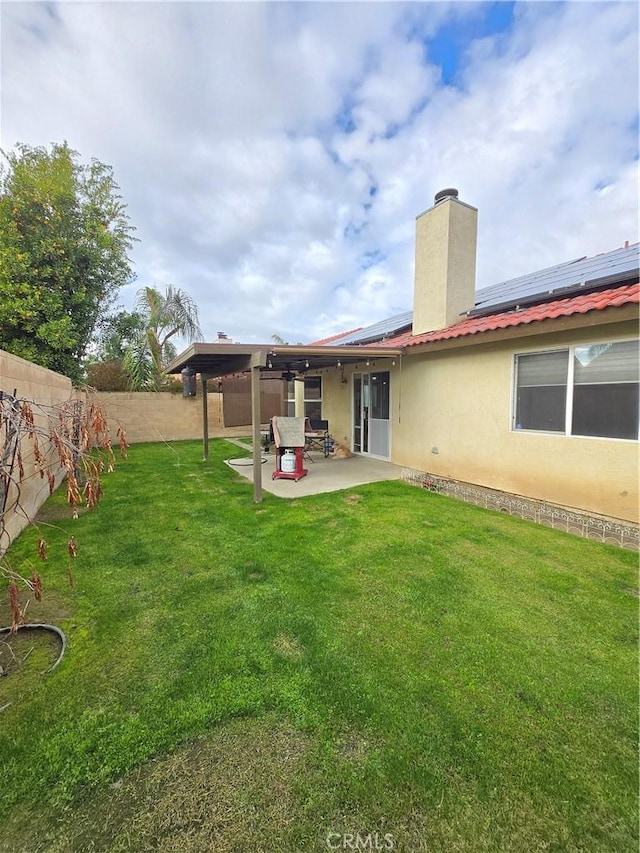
[214, 360]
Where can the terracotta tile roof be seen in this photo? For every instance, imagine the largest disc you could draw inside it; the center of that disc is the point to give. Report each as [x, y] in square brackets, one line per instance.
[324, 341]
[582, 304]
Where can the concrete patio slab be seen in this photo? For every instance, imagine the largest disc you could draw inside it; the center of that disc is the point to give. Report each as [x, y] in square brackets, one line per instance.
[325, 475]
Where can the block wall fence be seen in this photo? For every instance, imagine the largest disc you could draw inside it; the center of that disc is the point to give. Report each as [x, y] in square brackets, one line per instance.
[163, 416]
[46, 389]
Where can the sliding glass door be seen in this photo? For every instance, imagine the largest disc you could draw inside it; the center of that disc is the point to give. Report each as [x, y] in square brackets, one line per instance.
[371, 408]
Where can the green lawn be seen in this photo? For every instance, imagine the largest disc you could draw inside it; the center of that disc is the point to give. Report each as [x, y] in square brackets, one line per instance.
[378, 666]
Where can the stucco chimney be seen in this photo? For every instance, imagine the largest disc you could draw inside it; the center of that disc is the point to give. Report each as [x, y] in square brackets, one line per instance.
[445, 272]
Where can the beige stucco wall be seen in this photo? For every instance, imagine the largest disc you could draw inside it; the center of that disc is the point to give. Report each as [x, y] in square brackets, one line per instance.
[159, 417]
[461, 404]
[46, 389]
[459, 401]
[445, 267]
[337, 406]
[336, 402]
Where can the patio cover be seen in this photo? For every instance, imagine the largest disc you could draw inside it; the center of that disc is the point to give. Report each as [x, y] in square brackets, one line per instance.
[212, 361]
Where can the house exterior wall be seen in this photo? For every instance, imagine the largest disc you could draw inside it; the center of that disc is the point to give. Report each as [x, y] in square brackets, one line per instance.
[459, 402]
[336, 404]
[335, 401]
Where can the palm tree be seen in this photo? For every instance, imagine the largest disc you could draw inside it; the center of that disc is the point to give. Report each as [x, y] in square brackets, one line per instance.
[165, 315]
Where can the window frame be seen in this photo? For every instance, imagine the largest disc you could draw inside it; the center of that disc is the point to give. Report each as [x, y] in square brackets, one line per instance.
[568, 413]
[312, 400]
[290, 397]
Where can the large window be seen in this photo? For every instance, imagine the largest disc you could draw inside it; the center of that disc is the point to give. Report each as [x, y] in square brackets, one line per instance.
[583, 390]
[313, 397]
[542, 391]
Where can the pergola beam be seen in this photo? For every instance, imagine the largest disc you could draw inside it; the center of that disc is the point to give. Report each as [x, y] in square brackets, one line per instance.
[232, 364]
[214, 360]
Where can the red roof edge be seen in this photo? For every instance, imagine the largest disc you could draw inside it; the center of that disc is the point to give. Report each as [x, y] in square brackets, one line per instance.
[582, 304]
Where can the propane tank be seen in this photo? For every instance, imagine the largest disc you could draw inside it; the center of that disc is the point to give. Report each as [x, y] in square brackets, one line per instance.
[288, 462]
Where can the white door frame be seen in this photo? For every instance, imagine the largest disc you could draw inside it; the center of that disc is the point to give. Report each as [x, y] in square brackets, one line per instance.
[370, 436]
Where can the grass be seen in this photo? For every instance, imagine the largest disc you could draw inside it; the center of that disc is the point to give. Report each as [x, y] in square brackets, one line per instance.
[382, 662]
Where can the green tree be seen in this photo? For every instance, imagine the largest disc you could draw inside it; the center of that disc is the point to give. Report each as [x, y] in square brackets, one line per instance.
[64, 239]
[113, 335]
[165, 316]
[116, 333]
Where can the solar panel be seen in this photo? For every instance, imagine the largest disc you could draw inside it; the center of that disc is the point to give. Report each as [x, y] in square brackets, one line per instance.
[543, 285]
[377, 331]
[576, 274]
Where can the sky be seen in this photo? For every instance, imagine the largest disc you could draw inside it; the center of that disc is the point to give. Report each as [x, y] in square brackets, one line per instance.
[274, 156]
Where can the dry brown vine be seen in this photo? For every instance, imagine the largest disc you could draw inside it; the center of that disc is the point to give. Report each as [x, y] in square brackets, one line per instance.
[67, 441]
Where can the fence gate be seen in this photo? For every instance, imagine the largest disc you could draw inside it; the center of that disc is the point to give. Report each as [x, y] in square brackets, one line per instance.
[236, 400]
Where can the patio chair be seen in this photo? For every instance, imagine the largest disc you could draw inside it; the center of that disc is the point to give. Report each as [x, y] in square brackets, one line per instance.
[316, 434]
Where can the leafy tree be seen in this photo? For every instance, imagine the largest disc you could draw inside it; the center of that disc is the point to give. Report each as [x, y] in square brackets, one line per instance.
[64, 238]
[107, 376]
[104, 363]
[165, 316]
[116, 333]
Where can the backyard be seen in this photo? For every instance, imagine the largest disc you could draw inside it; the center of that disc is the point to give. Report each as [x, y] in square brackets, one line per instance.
[378, 668]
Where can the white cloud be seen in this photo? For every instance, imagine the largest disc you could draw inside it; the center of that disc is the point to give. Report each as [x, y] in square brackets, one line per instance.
[265, 149]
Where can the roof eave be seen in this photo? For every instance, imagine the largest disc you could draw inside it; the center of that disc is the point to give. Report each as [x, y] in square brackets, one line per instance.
[571, 322]
[221, 358]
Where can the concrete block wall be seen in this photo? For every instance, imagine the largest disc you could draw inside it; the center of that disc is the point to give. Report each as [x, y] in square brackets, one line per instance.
[46, 389]
[32, 381]
[159, 416]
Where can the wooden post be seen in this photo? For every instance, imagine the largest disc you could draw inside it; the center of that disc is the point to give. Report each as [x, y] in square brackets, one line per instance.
[205, 420]
[255, 423]
[258, 360]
